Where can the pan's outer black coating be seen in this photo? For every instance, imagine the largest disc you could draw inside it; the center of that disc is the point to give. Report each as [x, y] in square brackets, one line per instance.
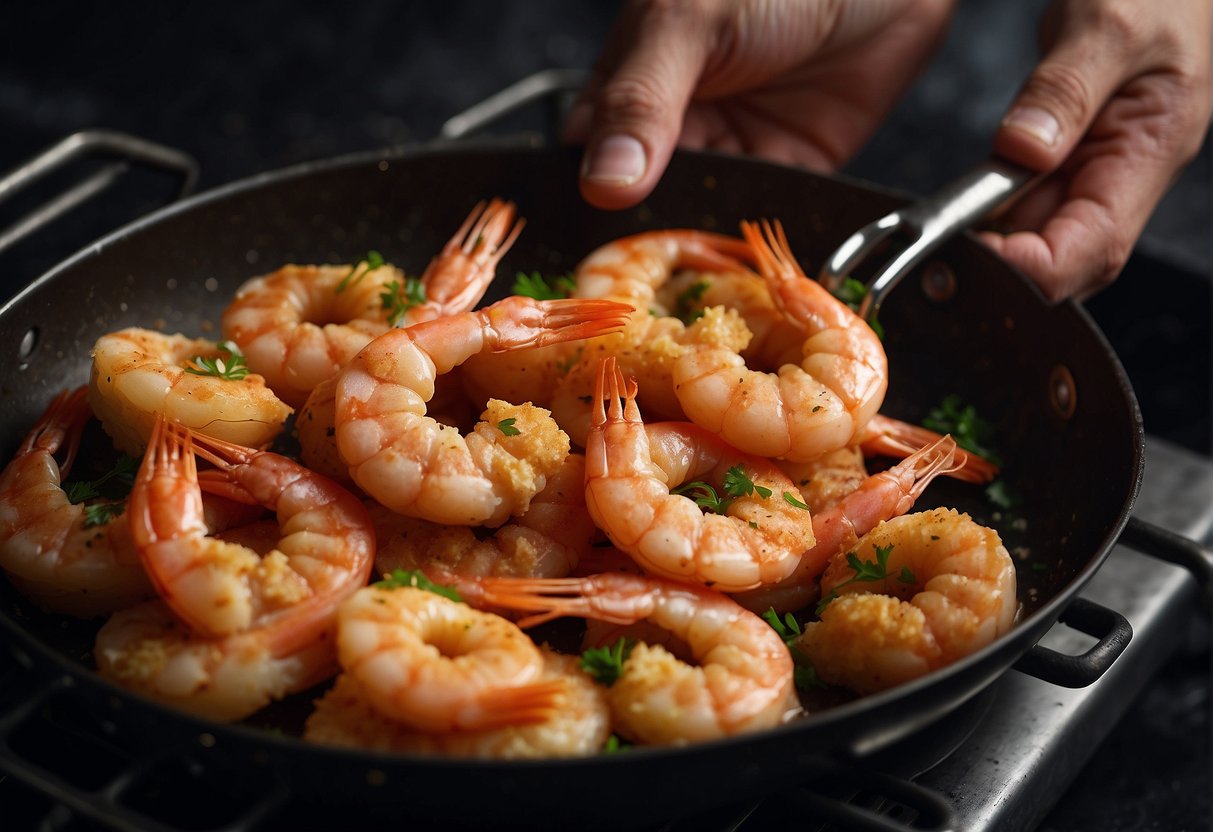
[994, 342]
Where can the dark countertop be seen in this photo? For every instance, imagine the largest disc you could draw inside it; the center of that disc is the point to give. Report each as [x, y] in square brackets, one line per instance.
[268, 84]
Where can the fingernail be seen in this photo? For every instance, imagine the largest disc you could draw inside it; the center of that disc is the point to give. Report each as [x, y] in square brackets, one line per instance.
[1035, 122]
[616, 160]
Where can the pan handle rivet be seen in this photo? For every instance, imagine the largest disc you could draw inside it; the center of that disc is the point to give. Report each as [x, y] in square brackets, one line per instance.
[29, 343]
[1063, 395]
[938, 281]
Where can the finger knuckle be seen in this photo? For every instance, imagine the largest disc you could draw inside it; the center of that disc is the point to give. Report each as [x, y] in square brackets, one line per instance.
[1123, 24]
[1067, 87]
[635, 99]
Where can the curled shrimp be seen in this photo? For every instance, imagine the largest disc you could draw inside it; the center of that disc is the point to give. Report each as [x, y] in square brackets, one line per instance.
[439, 665]
[633, 268]
[840, 523]
[301, 324]
[807, 408]
[892, 437]
[414, 465]
[578, 725]
[147, 649]
[48, 547]
[757, 541]
[743, 677]
[949, 591]
[220, 588]
[138, 373]
[547, 541]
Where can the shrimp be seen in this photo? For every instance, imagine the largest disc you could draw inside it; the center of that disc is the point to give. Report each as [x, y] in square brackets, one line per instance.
[438, 665]
[957, 596]
[633, 268]
[881, 496]
[757, 542]
[805, 409]
[825, 480]
[138, 373]
[545, 542]
[646, 350]
[892, 437]
[219, 588]
[301, 324]
[579, 724]
[49, 548]
[743, 678]
[414, 465]
[147, 649]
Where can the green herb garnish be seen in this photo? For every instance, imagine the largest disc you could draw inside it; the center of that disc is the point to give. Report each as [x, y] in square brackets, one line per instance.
[852, 293]
[231, 368]
[506, 426]
[535, 285]
[971, 431]
[737, 483]
[804, 675]
[398, 578]
[685, 304]
[614, 745]
[368, 264]
[792, 500]
[114, 485]
[1001, 495]
[868, 571]
[605, 664]
[398, 299]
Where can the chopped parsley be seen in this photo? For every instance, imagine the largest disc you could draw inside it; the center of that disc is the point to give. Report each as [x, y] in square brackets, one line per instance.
[368, 264]
[397, 299]
[868, 571]
[605, 664]
[114, 486]
[410, 578]
[804, 675]
[231, 368]
[737, 483]
[852, 293]
[614, 745]
[535, 285]
[971, 431]
[507, 427]
[686, 304]
[792, 500]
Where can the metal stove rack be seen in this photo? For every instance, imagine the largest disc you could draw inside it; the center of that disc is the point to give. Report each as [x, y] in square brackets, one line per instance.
[76, 773]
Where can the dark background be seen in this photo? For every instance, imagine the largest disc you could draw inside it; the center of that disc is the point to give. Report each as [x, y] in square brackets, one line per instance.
[254, 87]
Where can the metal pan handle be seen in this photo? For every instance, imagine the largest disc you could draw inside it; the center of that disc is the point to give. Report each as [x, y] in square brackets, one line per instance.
[122, 148]
[1112, 630]
[922, 227]
[555, 86]
[1154, 540]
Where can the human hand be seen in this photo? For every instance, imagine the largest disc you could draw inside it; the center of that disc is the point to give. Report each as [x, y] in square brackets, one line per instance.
[1119, 104]
[804, 82]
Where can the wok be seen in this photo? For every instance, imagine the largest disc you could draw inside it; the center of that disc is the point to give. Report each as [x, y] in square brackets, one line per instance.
[965, 323]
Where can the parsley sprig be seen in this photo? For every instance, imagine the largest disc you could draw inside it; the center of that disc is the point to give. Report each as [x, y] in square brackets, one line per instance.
[737, 483]
[231, 367]
[852, 293]
[373, 260]
[804, 675]
[971, 431]
[868, 571]
[397, 299]
[112, 488]
[605, 664]
[535, 285]
[411, 578]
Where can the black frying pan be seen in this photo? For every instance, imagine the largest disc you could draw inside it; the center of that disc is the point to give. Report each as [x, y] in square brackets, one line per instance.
[1066, 418]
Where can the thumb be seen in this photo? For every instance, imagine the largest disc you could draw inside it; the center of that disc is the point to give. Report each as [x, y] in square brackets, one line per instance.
[637, 102]
[1061, 98]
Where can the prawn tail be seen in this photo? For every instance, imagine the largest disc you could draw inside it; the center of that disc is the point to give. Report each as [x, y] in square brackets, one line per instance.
[221, 452]
[63, 421]
[891, 437]
[486, 235]
[575, 319]
[523, 705]
[218, 482]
